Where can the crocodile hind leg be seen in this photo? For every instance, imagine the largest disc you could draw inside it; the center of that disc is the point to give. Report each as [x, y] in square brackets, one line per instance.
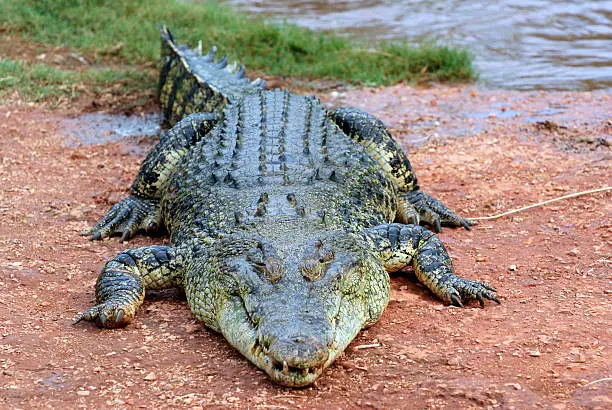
[401, 245]
[414, 205]
[140, 210]
[120, 288]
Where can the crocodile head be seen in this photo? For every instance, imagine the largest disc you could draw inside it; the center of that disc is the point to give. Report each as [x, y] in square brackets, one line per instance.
[292, 308]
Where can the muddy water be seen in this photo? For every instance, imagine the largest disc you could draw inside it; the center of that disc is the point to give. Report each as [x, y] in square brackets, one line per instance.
[518, 44]
[100, 128]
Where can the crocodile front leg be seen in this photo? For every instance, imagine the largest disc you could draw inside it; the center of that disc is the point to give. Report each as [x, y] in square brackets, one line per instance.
[140, 211]
[401, 245]
[120, 288]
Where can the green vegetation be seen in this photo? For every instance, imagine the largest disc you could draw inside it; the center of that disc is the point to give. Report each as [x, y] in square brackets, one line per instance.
[40, 82]
[126, 33]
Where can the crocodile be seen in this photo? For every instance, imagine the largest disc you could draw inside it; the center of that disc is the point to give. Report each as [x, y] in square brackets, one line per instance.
[285, 219]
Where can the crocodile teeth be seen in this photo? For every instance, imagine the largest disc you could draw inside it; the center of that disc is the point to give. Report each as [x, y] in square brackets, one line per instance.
[285, 368]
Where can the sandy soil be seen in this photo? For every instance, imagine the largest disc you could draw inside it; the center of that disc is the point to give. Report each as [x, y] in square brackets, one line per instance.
[546, 346]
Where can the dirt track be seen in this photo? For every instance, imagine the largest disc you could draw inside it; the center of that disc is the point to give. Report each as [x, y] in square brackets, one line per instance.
[547, 345]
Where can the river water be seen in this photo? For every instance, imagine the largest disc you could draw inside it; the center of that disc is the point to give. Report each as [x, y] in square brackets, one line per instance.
[518, 44]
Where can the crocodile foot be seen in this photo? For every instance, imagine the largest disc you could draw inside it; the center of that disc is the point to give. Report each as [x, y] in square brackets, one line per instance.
[461, 291]
[434, 212]
[109, 314]
[127, 217]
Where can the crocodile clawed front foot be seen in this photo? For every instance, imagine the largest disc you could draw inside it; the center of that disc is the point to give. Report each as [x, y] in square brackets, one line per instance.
[126, 217]
[434, 212]
[463, 290]
[108, 314]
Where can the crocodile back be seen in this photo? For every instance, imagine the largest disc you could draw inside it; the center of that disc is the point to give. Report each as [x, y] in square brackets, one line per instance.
[276, 158]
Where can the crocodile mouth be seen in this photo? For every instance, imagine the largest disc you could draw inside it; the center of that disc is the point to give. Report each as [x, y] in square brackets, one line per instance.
[283, 373]
[292, 375]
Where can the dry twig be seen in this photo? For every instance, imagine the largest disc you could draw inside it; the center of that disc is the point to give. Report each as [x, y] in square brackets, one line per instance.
[592, 191]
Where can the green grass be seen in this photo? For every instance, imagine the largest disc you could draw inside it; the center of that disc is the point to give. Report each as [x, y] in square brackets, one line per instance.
[128, 31]
[40, 82]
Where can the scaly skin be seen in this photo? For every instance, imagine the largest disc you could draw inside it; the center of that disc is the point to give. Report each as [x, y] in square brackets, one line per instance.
[280, 216]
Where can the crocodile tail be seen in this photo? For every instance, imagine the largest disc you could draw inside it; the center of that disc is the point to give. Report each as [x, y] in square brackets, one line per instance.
[190, 82]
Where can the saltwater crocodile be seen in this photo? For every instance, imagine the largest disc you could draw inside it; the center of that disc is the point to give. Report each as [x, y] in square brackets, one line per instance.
[284, 219]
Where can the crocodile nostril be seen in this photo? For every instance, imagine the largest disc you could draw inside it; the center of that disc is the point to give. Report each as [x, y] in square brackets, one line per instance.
[299, 352]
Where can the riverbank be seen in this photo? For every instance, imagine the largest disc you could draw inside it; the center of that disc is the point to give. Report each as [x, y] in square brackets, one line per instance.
[546, 345]
[60, 51]
[518, 45]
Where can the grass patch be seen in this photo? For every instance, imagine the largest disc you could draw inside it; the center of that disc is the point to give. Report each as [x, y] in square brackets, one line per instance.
[41, 82]
[128, 31]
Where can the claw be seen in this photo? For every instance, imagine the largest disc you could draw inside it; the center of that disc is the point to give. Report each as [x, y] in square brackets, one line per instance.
[434, 212]
[120, 315]
[437, 224]
[126, 218]
[488, 287]
[477, 291]
[88, 315]
[456, 300]
[109, 316]
[480, 299]
[101, 320]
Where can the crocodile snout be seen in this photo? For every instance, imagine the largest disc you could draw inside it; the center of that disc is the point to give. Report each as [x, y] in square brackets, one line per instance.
[299, 351]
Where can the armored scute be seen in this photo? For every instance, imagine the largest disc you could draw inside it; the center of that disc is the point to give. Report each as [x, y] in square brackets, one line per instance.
[284, 219]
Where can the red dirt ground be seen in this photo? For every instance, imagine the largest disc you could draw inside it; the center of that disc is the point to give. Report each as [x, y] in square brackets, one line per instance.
[546, 346]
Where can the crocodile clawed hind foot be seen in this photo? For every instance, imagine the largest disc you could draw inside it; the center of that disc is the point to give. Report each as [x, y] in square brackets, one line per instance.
[434, 213]
[464, 290]
[126, 217]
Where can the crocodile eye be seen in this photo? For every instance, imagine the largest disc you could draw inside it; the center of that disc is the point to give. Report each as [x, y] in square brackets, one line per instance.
[311, 269]
[316, 262]
[270, 265]
[273, 269]
[326, 254]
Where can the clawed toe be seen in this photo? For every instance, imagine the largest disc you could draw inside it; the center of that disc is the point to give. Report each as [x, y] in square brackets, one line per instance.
[435, 213]
[456, 301]
[467, 290]
[126, 218]
[108, 315]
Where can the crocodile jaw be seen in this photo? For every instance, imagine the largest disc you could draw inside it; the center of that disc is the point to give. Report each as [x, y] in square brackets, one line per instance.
[291, 367]
[303, 374]
[286, 375]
